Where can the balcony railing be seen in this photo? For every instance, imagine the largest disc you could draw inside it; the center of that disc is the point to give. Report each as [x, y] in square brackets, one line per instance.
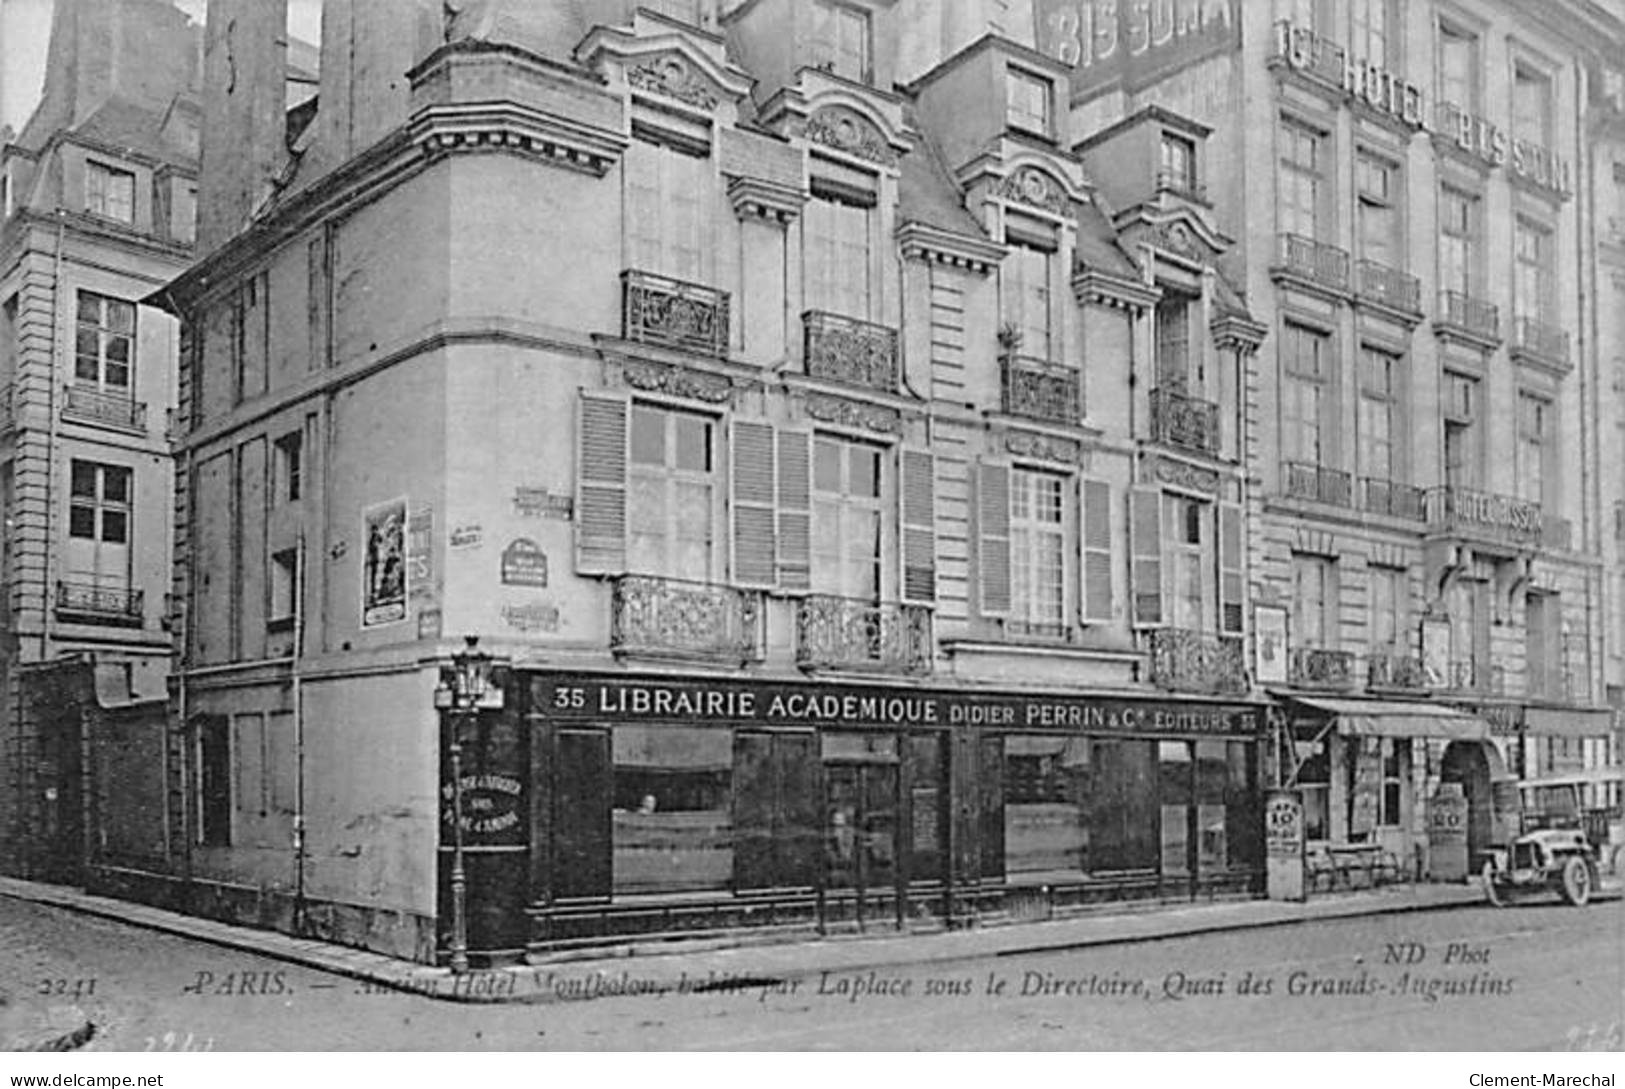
[850, 633]
[1318, 262]
[1545, 343]
[659, 310]
[1470, 315]
[1184, 421]
[91, 405]
[1388, 287]
[1394, 500]
[1484, 516]
[1192, 661]
[1039, 390]
[858, 353]
[1396, 672]
[1318, 667]
[671, 618]
[91, 604]
[1181, 183]
[1302, 480]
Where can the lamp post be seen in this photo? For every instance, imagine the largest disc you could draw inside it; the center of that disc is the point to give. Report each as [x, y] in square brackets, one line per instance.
[462, 689]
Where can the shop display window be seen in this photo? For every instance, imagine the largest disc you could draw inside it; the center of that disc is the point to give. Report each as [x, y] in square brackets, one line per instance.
[671, 825]
[1046, 829]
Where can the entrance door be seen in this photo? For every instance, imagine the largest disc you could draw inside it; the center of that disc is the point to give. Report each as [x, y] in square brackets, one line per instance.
[861, 795]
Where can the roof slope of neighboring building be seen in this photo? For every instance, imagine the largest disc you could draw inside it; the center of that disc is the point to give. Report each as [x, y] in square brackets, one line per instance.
[928, 194]
[1097, 243]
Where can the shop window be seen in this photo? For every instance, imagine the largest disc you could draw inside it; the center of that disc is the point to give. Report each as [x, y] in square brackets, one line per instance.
[1123, 812]
[672, 493]
[213, 744]
[109, 192]
[1045, 791]
[1396, 760]
[671, 826]
[775, 810]
[1315, 780]
[1175, 796]
[926, 775]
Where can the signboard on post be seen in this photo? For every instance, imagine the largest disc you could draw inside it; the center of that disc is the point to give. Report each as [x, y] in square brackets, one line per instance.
[1284, 844]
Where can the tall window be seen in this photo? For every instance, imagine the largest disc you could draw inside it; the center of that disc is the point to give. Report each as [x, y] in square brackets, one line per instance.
[1534, 445]
[109, 192]
[1531, 105]
[1189, 550]
[1314, 600]
[1038, 550]
[667, 220]
[1378, 410]
[1390, 610]
[671, 493]
[1027, 303]
[842, 45]
[99, 500]
[1461, 412]
[1470, 635]
[1543, 644]
[1300, 179]
[1395, 756]
[1372, 35]
[1304, 363]
[290, 467]
[847, 518]
[104, 342]
[1458, 68]
[1174, 341]
[1532, 296]
[1458, 240]
[1027, 102]
[1178, 162]
[836, 236]
[1378, 221]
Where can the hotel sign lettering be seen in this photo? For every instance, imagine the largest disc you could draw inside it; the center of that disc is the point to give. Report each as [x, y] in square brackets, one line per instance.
[765, 704]
[1382, 90]
[1132, 42]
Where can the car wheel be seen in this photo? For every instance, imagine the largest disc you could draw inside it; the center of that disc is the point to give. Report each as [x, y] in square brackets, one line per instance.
[1576, 882]
[1491, 893]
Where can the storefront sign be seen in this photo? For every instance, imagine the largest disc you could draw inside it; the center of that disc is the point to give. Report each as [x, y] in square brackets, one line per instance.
[1269, 637]
[592, 697]
[383, 576]
[1388, 93]
[524, 563]
[491, 808]
[1132, 42]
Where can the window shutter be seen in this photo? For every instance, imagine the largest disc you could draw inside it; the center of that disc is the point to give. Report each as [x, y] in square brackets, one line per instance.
[753, 508]
[1232, 580]
[601, 454]
[795, 510]
[919, 536]
[1145, 515]
[1095, 507]
[993, 538]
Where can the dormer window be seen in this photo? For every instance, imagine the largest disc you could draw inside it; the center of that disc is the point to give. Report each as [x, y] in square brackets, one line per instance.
[1027, 103]
[1178, 169]
[842, 46]
[109, 192]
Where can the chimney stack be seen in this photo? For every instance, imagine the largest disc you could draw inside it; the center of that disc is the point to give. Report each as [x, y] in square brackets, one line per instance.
[244, 116]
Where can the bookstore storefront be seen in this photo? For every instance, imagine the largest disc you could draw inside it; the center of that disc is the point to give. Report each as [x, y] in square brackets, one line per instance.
[659, 805]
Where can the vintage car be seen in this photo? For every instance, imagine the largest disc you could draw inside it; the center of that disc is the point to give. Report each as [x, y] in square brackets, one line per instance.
[1587, 800]
[1551, 860]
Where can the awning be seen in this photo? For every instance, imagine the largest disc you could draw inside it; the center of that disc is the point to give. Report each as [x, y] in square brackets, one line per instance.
[1568, 721]
[1380, 718]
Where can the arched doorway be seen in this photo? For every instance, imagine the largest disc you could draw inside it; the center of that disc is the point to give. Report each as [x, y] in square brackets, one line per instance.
[1486, 783]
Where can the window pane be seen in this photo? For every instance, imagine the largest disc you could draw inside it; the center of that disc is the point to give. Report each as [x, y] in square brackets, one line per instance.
[82, 522]
[865, 473]
[827, 466]
[671, 823]
[648, 436]
[120, 316]
[83, 479]
[115, 526]
[116, 485]
[693, 443]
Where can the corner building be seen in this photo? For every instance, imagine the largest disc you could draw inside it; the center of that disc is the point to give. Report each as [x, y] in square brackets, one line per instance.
[855, 503]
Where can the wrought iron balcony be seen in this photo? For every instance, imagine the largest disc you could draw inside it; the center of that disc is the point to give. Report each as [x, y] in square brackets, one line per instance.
[1192, 661]
[1302, 480]
[1472, 677]
[1388, 287]
[1039, 390]
[87, 603]
[858, 353]
[1484, 516]
[1317, 262]
[659, 310]
[1462, 313]
[1189, 422]
[91, 405]
[1395, 500]
[1543, 344]
[670, 618]
[1396, 672]
[850, 633]
[1181, 183]
[1318, 667]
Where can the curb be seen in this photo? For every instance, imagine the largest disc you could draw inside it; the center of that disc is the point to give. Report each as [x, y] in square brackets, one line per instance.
[664, 969]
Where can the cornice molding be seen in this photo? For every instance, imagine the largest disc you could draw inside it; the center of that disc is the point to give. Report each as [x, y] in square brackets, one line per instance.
[922, 242]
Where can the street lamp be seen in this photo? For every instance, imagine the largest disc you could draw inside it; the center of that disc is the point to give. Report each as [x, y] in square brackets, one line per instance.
[463, 689]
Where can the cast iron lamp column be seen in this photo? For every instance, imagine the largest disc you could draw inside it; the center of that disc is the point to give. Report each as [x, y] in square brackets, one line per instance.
[461, 691]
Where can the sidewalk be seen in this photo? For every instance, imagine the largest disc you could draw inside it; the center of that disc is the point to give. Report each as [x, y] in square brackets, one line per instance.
[682, 967]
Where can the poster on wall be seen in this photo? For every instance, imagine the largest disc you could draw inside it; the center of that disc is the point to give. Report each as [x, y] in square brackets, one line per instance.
[1269, 635]
[1367, 792]
[1436, 652]
[383, 573]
